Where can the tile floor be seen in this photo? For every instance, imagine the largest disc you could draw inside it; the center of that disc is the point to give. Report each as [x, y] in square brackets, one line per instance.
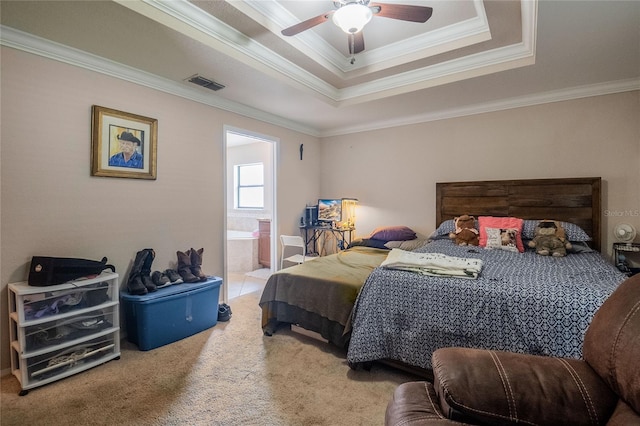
[240, 284]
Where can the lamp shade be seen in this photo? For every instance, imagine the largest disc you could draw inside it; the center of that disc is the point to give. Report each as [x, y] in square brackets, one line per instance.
[352, 17]
[349, 213]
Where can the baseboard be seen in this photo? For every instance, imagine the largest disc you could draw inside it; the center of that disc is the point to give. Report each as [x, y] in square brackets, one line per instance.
[5, 372]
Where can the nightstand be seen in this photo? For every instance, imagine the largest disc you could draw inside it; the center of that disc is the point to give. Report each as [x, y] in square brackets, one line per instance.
[620, 253]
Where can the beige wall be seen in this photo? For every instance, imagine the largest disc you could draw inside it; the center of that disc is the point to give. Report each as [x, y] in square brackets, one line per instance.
[393, 172]
[51, 206]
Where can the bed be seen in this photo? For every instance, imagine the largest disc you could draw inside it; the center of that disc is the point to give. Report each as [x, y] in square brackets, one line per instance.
[520, 302]
[319, 295]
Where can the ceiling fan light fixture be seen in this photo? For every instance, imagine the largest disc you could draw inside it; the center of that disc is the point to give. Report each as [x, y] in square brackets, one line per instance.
[352, 17]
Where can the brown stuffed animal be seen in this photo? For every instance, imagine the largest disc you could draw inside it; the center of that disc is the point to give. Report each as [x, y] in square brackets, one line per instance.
[466, 233]
[550, 239]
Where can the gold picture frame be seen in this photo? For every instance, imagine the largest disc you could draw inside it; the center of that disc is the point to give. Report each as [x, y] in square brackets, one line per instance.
[123, 145]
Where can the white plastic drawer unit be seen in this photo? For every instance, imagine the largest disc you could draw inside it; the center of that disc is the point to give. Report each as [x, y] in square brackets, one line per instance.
[61, 330]
[69, 359]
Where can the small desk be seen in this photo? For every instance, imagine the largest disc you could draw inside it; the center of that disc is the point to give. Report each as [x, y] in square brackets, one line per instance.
[316, 238]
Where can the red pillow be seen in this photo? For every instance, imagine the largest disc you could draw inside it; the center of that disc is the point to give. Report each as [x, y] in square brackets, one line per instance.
[485, 222]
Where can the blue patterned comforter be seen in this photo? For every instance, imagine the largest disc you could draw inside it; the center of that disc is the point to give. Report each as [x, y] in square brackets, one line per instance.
[522, 302]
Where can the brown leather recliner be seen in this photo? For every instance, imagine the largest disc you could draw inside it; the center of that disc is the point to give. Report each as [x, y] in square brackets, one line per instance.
[476, 386]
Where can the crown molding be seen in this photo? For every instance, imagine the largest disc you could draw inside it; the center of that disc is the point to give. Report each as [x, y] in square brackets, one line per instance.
[189, 19]
[22, 41]
[492, 61]
[441, 40]
[586, 91]
[275, 17]
[29, 43]
[475, 65]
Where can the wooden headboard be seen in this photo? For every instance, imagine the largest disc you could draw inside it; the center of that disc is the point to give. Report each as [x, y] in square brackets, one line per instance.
[575, 200]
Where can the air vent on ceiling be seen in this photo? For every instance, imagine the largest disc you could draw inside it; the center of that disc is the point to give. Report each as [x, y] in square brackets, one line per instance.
[205, 82]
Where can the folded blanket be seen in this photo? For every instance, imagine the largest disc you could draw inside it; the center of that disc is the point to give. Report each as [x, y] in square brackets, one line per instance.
[435, 264]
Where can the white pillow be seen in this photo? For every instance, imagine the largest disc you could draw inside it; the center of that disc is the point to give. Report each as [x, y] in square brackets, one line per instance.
[502, 239]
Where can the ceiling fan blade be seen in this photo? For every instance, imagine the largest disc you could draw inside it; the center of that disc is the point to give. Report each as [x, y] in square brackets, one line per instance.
[305, 25]
[403, 12]
[356, 43]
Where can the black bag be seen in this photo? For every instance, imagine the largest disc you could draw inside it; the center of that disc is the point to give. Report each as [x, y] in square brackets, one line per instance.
[46, 271]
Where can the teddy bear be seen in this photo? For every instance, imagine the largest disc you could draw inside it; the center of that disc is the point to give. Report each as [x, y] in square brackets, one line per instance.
[550, 239]
[465, 231]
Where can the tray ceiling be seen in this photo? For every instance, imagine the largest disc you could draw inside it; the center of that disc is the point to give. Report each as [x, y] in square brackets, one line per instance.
[470, 56]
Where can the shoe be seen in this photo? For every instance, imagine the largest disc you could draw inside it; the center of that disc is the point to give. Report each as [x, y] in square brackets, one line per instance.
[134, 283]
[146, 271]
[196, 263]
[160, 279]
[224, 312]
[173, 276]
[184, 267]
[136, 287]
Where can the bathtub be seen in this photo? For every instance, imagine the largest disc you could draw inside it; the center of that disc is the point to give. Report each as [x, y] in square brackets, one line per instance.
[232, 234]
[242, 251]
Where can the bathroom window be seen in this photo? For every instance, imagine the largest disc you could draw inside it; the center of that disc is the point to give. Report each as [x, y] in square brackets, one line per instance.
[249, 180]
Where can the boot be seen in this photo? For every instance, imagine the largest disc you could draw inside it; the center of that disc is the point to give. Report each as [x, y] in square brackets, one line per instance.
[134, 284]
[196, 263]
[184, 267]
[146, 270]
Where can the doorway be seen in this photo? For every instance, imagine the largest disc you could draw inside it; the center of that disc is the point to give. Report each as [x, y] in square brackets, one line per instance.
[250, 210]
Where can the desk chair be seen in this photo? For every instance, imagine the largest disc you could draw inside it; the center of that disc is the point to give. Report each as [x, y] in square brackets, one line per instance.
[293, 241]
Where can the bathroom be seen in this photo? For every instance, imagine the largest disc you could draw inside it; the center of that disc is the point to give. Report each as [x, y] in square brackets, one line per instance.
[248, 226]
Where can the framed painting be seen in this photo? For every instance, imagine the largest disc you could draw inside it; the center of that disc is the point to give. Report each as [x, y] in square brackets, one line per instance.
[123, 145]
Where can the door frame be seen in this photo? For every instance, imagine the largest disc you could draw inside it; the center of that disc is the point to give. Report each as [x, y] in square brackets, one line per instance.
[274, 157]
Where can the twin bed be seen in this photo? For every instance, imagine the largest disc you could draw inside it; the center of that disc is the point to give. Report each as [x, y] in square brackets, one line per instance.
[521, 302]
[319, 295]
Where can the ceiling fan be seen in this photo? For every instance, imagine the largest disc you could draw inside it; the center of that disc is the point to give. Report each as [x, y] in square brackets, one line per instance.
[352, 15]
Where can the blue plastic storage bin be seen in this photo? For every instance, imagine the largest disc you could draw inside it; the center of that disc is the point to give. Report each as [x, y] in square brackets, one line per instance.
[171, 313]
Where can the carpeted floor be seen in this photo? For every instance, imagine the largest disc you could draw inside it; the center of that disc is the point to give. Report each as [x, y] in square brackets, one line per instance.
[228, 375]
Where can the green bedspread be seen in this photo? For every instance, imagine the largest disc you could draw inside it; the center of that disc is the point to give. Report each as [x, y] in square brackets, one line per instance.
[319, 295]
